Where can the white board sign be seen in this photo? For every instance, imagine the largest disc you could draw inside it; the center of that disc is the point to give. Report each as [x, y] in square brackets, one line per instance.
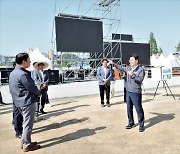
[161, 73]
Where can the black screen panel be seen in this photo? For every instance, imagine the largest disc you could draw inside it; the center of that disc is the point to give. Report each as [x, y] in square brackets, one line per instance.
[78, 35]
[143, 50]
[123, 37]
[126, 49]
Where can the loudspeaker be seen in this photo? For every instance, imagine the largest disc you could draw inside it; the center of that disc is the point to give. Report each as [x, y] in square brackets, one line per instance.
[5, 76]
[53, 76]
[149, 74]
[4, 80]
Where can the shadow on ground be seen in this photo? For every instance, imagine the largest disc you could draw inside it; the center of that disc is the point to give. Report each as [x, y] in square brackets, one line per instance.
[118, 103]
[70, 137]
[59, 112]
[58, 125]
[65, 103]
[158, 118]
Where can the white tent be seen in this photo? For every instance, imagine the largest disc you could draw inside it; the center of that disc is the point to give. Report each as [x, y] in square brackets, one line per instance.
[154, 61]
[36, 56]
[175, 60]
[162, 61]
[171, 59]
[171, 56]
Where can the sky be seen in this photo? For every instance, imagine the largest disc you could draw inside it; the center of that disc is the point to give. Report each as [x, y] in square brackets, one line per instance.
[29, 23]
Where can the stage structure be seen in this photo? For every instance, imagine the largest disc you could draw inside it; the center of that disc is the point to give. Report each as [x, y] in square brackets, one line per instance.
[83, 35]
[92, 39]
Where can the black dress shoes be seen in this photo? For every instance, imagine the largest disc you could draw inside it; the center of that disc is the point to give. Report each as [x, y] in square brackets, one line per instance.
[43, 112]
[129, 126]
[141, 129]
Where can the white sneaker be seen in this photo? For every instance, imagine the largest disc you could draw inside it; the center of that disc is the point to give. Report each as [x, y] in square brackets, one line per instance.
[48, 105]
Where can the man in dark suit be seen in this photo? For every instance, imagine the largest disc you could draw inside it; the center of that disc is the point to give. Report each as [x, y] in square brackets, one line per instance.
[134, 78]
[104, 74]
[17, 118]
[41, 79]
[24, 94]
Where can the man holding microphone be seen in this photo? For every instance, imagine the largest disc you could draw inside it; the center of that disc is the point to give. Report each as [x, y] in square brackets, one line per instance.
[134, 78]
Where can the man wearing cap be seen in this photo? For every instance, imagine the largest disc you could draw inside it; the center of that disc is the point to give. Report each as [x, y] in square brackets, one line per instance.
[41, 79]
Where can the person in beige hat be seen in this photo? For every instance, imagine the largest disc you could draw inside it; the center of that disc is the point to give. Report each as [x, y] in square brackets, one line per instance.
[41, 78]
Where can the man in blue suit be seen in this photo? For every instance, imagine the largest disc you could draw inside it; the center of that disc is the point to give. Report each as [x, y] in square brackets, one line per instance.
[104, 74]
[24, 94]
[134, 78]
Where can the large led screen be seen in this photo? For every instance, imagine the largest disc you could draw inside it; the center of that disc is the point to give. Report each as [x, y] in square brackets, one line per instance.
[142, 49]
[78, 35]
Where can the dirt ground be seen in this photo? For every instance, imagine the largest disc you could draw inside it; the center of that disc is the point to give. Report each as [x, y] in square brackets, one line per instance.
[81, 126]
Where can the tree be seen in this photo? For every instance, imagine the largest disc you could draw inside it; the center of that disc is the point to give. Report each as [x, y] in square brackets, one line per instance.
[178, 47]
[160, 51]
[70, 56]
[153, 46]
[68, 60]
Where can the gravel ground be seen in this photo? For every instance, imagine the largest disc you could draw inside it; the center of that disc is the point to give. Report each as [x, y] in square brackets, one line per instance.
[78, 125]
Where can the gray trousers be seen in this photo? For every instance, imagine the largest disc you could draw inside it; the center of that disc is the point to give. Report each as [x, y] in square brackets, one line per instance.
[28, 113]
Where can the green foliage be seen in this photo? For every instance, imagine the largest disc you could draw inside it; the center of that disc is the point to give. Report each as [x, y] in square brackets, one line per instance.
[67, 60]
[153, 45]
[160, 51]
[69, 56]
[178, 47]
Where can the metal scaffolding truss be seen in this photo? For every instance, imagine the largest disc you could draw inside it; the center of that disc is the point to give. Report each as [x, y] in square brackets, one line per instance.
[111, 18]
[108, 11]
